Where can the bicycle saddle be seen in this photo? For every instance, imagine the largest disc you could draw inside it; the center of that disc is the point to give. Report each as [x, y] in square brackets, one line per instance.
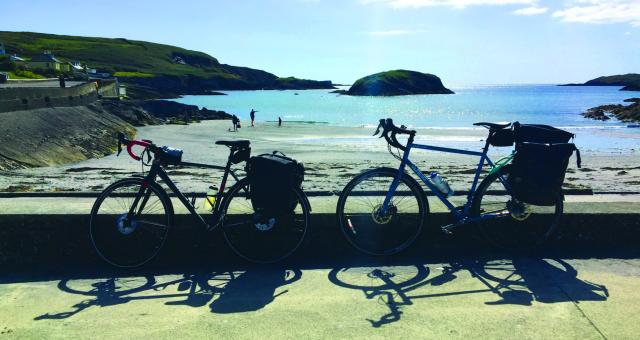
[239, 143]
[493, 126]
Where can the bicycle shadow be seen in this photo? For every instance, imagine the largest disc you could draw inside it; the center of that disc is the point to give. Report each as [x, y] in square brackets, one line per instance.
[224, 291]
[517, 282]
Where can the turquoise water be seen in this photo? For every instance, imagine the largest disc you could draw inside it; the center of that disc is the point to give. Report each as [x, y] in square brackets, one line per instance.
[543, 104]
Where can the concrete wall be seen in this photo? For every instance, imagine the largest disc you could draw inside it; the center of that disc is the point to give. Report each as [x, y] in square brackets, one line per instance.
[27, 98]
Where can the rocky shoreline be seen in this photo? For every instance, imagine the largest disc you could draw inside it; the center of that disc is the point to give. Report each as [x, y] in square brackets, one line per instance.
[59, 135]
[624, 113]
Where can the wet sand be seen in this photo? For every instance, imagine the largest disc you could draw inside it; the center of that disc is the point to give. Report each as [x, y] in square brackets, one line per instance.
[332, 156]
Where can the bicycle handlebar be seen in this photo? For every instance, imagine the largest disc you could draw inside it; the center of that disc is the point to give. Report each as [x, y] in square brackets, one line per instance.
[131, 143]
[388, 126]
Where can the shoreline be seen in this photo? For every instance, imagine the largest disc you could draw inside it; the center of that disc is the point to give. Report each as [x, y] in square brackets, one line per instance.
[332, 156]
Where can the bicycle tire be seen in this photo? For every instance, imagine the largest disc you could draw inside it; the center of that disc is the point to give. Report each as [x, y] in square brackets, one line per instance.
[373, 234]
[525, 228]
[379, 277]
[128, 243]
[258, 238]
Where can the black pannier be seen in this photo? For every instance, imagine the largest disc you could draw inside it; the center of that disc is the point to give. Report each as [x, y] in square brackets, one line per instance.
[503, 137]
[538, 171]
[538, 133]
[272, 180]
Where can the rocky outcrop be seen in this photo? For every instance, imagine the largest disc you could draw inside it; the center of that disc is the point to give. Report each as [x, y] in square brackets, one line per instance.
[629, 82]
[52, 136]
[624, 113]
[58, 135]
[398, 83]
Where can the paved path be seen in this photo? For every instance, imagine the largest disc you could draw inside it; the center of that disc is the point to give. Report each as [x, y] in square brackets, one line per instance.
[37, 83]
[512, 299]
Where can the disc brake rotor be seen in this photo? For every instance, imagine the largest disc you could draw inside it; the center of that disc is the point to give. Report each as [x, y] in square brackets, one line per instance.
[126, 225]
[383, 219]
[520, 211]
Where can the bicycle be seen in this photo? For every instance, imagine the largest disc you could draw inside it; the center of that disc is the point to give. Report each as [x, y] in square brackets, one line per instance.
[131, 219]
[382, 211]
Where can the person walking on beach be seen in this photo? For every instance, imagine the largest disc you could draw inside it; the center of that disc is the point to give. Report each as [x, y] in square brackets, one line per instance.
[252, 114]
[279, 122]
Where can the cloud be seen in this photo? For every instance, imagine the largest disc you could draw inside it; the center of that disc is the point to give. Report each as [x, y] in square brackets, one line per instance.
[533, 10]
[390, 33]
[447, 3]
[601, 12]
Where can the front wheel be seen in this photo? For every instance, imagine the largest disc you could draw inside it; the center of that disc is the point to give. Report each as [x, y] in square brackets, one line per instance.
[125, 239]
[260, 236]
[366, 226]
[509, 223]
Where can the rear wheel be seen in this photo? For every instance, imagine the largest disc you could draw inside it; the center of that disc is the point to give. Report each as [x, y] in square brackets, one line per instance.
[362, 222]
[518, 225]
[263, 237]
[125, 240]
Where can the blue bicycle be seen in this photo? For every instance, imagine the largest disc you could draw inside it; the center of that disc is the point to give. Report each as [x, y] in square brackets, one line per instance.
[382, 211]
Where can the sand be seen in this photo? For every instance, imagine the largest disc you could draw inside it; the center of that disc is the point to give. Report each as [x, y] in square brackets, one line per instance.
[332, 156]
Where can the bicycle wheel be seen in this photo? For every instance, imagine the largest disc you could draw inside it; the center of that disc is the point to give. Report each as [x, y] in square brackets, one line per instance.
[521, 226]
[130, 241]
[378, 278]
[262, 237]
[368, 231]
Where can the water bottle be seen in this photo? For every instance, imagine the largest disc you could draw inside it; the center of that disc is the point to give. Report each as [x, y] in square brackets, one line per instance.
[210, 198]
[441, 184]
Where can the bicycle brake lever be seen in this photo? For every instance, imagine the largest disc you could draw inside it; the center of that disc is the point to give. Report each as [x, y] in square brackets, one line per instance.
[377, 130]
[120, 138]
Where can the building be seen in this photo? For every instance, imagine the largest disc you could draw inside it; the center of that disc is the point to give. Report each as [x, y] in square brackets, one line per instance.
[3, 51]
[48, 61]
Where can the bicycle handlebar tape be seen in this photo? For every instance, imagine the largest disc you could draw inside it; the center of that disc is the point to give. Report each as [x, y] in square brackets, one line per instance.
[135, 142]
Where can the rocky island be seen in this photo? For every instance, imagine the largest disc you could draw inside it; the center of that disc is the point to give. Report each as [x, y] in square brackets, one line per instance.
[629, 82]
[624, 113]
[397, 83]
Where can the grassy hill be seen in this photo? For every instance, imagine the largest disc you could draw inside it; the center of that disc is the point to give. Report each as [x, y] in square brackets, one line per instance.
[397, 83]
[167, 70]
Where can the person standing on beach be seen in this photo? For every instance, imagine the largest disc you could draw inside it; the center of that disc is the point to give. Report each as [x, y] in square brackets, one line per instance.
[279, 122]
[235, 121]
[252, 114]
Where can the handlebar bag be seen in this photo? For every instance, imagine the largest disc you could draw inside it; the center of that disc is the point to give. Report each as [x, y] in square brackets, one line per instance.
[171, 156]
[538, 171]
[538, 133]
[273, 179]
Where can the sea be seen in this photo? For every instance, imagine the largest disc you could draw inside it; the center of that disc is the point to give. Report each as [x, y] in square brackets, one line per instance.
[559, 106]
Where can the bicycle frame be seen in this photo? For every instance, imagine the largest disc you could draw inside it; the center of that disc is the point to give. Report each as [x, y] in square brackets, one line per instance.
[158, 171]
[460, 216]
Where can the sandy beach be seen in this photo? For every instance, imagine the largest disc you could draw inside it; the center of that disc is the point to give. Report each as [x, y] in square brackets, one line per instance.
[332, 156]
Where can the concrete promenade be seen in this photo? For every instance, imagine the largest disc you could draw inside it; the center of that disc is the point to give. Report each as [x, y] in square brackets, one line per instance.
[583, 285]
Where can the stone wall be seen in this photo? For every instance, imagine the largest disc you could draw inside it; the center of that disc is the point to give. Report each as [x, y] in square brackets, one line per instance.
[27, 98]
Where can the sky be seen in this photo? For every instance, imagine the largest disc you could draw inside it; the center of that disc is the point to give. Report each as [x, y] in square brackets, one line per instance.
[464, 42]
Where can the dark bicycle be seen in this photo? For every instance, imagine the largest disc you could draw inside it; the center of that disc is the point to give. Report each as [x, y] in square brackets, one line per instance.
[382, 211]
[131, 218]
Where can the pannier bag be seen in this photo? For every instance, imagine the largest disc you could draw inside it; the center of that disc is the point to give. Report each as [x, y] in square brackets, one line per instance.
[272, 180]
[171, 155]
[538, 171]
